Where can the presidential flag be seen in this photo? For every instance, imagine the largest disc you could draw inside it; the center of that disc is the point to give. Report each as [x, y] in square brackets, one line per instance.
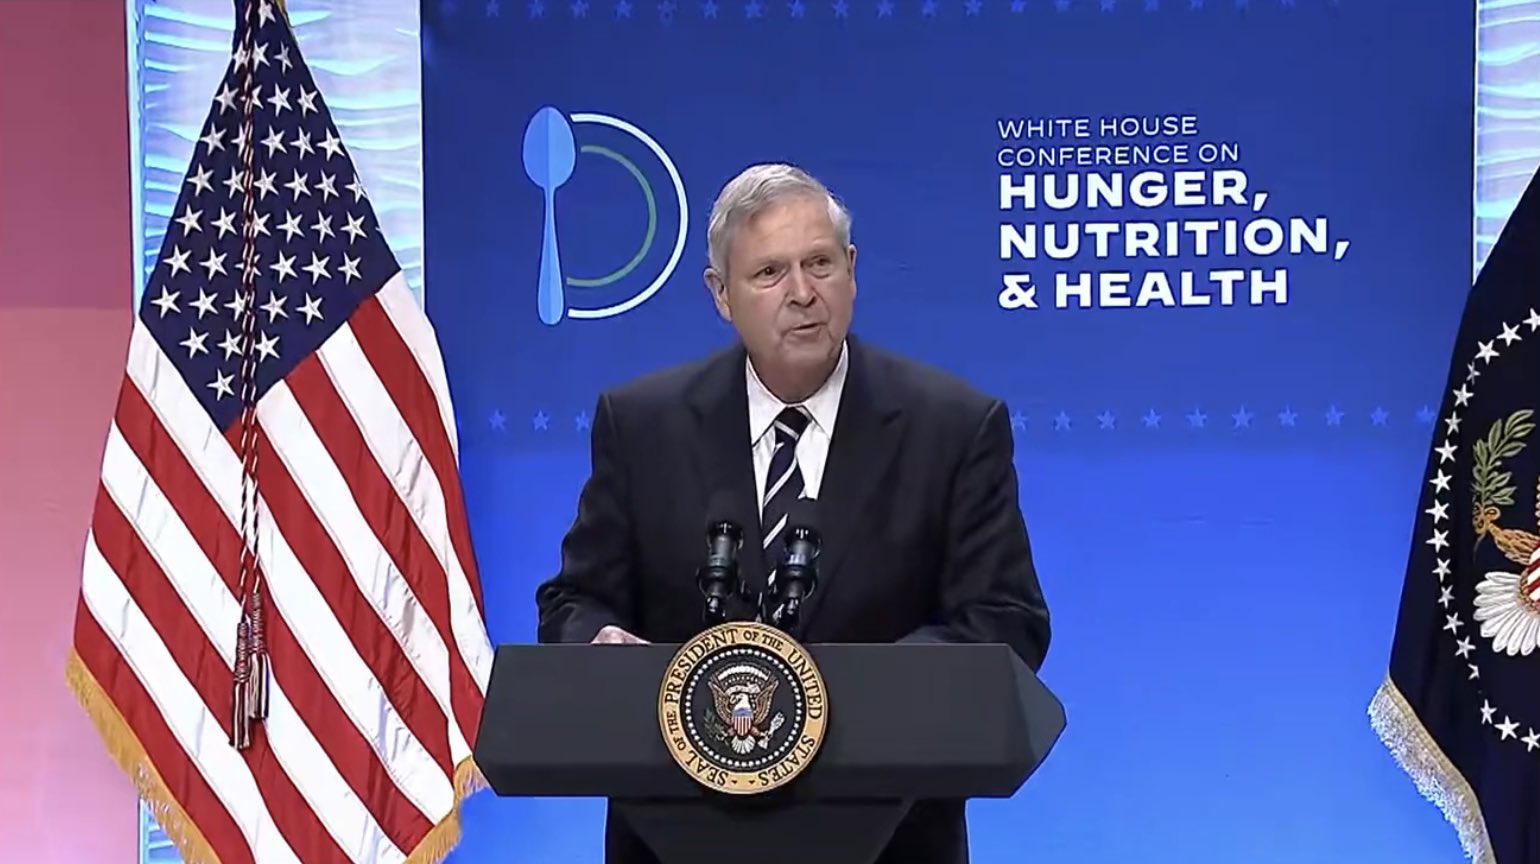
[279, 634]
[1460, 705]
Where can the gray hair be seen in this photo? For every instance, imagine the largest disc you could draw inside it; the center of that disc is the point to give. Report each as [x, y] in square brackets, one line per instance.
[756, 188]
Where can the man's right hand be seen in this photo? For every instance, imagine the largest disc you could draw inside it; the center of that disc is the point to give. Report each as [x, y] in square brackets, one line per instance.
[612, 635]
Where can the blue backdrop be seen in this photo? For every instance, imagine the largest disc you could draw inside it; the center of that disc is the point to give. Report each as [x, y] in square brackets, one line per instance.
[1219, 483]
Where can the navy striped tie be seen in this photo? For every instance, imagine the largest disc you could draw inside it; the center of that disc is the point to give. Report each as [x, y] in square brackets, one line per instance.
[783, 483]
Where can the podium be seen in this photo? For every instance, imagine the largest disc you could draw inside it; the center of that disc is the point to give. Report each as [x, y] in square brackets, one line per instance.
[905, 722]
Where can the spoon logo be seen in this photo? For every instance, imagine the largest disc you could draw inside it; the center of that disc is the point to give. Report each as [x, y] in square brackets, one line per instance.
[550, 157]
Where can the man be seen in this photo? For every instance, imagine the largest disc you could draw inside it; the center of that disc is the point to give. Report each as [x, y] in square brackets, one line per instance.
[911, 468]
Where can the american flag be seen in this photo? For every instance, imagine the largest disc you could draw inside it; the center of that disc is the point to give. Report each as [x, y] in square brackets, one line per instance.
[279, 634]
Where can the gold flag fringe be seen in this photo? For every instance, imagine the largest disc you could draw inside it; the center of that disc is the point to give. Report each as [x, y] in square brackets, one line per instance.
[438, 842]
[1435, 776]
[124, 747]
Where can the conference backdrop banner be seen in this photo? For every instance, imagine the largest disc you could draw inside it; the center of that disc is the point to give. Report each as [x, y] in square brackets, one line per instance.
[1212, 255]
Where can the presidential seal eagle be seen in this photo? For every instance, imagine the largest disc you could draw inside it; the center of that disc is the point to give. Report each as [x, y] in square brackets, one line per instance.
[743, 695]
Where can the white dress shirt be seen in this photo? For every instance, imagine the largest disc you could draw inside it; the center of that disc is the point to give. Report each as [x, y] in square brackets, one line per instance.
[813, 447]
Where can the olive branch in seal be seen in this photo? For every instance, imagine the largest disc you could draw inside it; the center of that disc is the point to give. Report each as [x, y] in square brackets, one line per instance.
[1491, 486]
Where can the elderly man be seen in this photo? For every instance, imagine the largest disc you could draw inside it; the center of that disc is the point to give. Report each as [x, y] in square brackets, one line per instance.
[911, 468]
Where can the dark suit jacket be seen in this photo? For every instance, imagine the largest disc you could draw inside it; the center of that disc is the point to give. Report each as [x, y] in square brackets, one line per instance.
[923, 535]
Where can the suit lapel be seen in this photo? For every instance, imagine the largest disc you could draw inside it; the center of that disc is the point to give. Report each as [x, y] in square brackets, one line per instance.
[724, 456]
[867, 433]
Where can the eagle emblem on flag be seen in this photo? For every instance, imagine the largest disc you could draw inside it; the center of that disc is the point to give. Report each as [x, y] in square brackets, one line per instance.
[1458, 707]
[743, 695]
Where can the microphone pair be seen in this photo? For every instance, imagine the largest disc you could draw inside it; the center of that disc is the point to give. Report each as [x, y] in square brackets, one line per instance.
[791, 581]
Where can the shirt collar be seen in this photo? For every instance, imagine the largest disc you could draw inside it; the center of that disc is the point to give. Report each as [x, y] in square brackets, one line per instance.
[822, 406]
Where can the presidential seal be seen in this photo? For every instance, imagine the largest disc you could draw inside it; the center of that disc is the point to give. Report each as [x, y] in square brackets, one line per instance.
[742, 708]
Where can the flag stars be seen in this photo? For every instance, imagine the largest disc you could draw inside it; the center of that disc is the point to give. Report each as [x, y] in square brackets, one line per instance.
[1440, 481]
[194, 343]
[1533, 321]
[1453, 423]
[1151, 419]
[1446, 596]
[1439, 540]
[214, 139]
[1106, 420]
[200, 181]
[1445, 452]
[1287, 417]
[265, 183]
[204, 304]
[1061, 422]
[306, 101]
[267, 347]
[231, 345]
[237, 304]
[331, 144]
[1462, 396]
[317, 268]
[355, 228]
[190, 221]
[541, 421]
[274, 307]
[284, 267]
[1242, 418]
[1465, 647]
[350, 268]
[328, 186]
[1439, 511]
[280, 100]
[311, 309]
[1507, 727]
[214, 264]
[273, 142]
[225, 98]
[166, 302]
[298, 186]
[1452, 623]
[356, 188]
[1510, 334]
[1485, 352]
[323, 228]
[1531, 741]
[1487, 711]
[225, 223]
[221, 385]
[1441, 569]
[177, 261]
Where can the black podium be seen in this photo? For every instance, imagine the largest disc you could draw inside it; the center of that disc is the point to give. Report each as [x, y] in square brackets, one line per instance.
[905, 722]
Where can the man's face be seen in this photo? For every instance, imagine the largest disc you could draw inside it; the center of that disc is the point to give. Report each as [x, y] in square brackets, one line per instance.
[789, 291]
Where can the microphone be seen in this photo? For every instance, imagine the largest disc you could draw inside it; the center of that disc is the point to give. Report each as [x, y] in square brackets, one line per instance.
[796, 576]
[718, 577]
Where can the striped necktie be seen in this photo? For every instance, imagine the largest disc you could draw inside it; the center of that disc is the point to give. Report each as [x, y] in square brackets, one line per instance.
[783, 483]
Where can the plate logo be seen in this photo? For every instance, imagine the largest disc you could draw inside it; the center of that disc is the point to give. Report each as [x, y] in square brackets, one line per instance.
[743, 708]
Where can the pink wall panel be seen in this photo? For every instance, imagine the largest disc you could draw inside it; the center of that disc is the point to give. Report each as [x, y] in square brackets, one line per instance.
[65, 266]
